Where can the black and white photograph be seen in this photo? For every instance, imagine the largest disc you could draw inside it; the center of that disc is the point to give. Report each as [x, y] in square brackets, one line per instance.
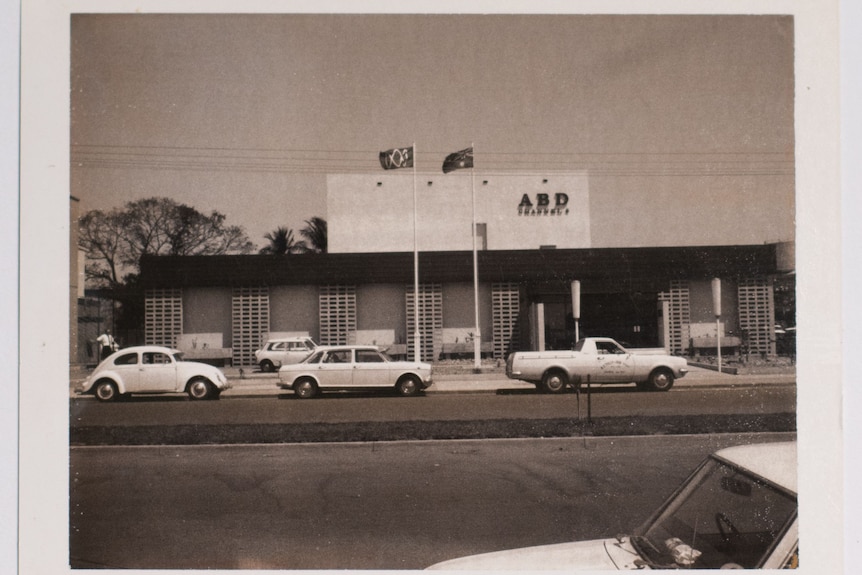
[455, 288]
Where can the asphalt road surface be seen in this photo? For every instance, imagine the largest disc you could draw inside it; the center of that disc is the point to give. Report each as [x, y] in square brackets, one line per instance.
[175, 420]
[398, 505]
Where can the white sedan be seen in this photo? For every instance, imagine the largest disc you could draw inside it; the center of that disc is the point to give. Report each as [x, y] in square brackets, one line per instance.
[153, 369]
[356, 368]
[278, 352]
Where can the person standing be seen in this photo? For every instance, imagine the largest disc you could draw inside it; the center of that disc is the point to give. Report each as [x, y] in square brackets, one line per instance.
[106, 343]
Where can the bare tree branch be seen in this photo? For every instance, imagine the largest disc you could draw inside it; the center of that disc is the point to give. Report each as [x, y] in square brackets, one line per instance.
[115, 241]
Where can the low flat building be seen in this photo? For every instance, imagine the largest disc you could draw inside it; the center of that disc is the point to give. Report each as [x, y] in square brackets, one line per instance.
[644, 262]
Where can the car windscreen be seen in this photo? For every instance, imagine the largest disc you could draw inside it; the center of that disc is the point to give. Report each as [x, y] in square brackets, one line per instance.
[313, 358]
[723, 517]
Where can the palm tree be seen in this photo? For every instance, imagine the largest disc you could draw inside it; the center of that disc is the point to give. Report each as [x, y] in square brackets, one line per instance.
[281, 242]
[314, 233]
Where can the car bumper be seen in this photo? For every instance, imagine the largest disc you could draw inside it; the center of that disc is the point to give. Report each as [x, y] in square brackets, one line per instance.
[284, 382]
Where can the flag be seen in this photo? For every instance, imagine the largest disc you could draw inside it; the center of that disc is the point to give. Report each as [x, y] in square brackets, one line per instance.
[458, 160]
[397, 158]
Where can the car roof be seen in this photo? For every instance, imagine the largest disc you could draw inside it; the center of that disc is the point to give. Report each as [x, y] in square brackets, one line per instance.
[146, 348]
[297, 338]
[337, 347]
[774, 462]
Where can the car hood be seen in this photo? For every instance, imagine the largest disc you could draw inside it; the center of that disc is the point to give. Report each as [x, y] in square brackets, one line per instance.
[599, 554]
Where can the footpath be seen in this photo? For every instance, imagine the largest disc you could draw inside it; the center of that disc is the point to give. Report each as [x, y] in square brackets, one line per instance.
[250, 381]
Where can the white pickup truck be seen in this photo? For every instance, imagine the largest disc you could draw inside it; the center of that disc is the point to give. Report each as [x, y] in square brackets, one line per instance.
[597, 360]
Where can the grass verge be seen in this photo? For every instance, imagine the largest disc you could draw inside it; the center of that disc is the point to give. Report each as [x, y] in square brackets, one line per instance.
[427, 430]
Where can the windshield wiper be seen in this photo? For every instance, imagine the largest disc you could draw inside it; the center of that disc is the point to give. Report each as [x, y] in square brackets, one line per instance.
[638, 542]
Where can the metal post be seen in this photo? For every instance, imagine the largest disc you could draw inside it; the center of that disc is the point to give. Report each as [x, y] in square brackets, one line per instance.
[716, 307]
[477, 338]
[576, 308]
[578, 391]
[417, 354]
[718, 340]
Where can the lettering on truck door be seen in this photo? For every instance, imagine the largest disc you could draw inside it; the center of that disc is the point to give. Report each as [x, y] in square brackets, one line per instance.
[613, 363]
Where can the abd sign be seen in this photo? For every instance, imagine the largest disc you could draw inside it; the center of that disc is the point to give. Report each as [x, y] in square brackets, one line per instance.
[544, 201]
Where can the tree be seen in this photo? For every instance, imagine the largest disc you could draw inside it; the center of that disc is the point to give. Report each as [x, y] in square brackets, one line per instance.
[315, 235]
[115, 241]
[101, 236]
[162, 226]
[281, 242]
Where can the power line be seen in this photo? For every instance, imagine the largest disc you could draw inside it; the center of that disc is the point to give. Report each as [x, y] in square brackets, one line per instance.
[309, 161]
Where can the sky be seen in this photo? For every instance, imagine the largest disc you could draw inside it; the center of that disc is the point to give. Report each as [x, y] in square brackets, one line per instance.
[246, 114]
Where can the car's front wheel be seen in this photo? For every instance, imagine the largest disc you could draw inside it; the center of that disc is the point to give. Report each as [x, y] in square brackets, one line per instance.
[660, 379]
[305, 388]
[106, 390]
[408, 385]
[554, 381]
[200, 388]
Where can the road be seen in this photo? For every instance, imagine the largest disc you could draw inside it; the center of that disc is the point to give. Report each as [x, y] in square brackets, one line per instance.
[394, 505]
[175, 420]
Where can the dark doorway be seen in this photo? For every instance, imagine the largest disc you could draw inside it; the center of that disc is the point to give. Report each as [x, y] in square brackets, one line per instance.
[630, 318]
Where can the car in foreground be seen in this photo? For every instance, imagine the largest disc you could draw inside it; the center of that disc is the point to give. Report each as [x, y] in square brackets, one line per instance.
[153, 369]
[596, 360]
[738, 510]
[282, 351]
[356, 368]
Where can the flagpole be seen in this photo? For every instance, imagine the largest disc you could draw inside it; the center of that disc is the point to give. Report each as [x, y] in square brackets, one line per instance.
[477, 337]
[417, 356]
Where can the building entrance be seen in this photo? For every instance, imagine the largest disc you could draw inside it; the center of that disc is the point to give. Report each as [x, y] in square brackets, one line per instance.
[630, 318]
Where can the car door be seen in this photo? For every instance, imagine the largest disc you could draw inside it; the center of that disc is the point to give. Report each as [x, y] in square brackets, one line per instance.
[278, 352]
[371, 369]
[158, 372]
[336, 369]
[613, 364]
[128, 369]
